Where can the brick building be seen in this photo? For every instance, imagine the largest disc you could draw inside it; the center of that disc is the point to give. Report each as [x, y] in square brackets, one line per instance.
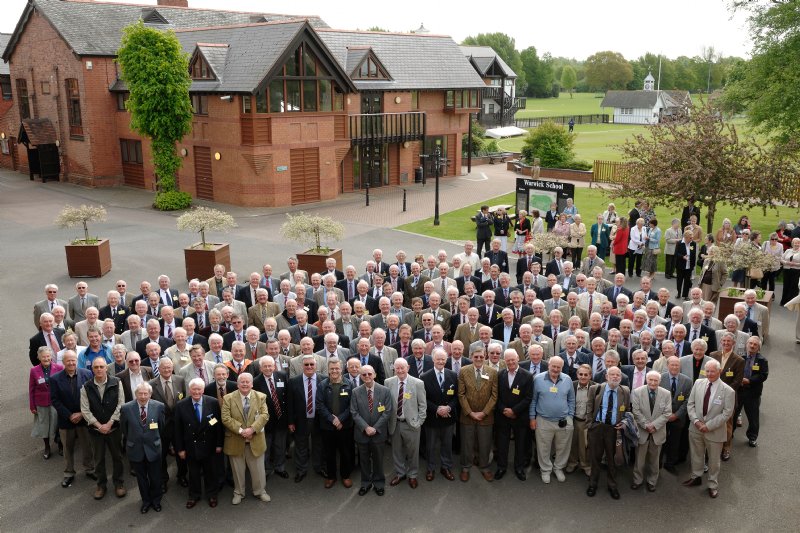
[287, 110]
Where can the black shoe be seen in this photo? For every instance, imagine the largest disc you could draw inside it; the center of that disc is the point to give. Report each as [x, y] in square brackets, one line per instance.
[282, 474]
[671, 469]
[499, 473]
[157, 507]
[614, 493]
[651, 488]
[91, 475]
[145, 508]
[752, 443]
[363, 490]
[520, 475]
[299, 477]
[693, 482]
[67, 482]
[60, 449]
[379, 492]
[591, 491]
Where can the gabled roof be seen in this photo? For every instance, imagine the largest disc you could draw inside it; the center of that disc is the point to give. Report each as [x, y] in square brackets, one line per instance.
[36, 132]
[4, 38]
[415, 61]
[215, 55]
[354, 71]
[95, 28]
[355, 56]
[644, 99]
[483, 57]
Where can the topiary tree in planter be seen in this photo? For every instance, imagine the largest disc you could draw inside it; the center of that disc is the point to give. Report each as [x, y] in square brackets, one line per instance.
[70, 216]
[202, 219]
[313, 230]
[89, 256]
[201, 257]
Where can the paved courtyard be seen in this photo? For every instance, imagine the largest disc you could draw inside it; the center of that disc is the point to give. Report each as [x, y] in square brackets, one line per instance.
[758, 487]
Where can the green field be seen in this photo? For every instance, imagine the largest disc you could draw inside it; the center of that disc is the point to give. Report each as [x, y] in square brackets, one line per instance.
[579, 104]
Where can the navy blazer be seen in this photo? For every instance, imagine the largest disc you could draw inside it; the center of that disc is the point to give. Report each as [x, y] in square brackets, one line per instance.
[296, 402]
[62, 398]
[38, 341]
[324, 407]
[427, 364]
[260, 384]
[198, 439]
[436, 396]
[518, 402]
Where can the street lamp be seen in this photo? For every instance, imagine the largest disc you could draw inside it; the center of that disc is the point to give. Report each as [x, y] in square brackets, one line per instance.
[437, 154]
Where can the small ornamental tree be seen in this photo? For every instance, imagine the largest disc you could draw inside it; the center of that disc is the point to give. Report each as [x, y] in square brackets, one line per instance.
[70, 217]
[202, 219]
[551, 143]
[311, 230]
[156, 71]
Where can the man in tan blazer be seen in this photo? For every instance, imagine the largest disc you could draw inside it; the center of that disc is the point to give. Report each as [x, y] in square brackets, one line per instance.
[467, 333]
[244, 415]
[477, 395]
[262, 310]
[651, 406]
[711, 404]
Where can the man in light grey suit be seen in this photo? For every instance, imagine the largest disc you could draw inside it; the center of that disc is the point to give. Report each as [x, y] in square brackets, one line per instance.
[50, 301]
[387, 354]
[78, 304]
[371, 407]
[228, 299]
[691, 365]
[406, 424]
[651, 406]
[711, 404]
[141, 420]
[133, 334]
[679, 386]
[199, 368]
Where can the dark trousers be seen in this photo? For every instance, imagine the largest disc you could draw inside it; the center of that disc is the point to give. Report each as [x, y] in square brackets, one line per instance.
[167, 437]
[671, 449]
[768, 281]
[275, 458]
[338, 442]
[503, 431]
[113, 442]
[370, 456]
[483, 242]
[669, 268]
[751, 403]
[683, 280]
[634, 263]
[602, 441]
[576, 255]
[148, 477]
[307, 442]
[619, 259]
[203, 471]
[439, 446]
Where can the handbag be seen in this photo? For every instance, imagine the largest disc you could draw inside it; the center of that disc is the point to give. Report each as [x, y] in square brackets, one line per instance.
[755, 273]
[655, 251]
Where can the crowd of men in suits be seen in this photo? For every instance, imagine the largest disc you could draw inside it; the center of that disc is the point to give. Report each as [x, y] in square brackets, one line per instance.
[437, 356]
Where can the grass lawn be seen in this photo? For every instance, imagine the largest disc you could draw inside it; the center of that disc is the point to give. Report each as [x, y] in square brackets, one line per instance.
[579, 104]
[457, 226]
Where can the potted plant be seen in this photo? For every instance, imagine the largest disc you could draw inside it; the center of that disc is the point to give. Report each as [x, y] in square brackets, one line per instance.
[312, 230]
[545, 243]
[747, 258]
[201, 257]
[90, 256]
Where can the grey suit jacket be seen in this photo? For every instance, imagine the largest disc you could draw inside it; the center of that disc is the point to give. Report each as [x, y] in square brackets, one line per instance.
[686, 366]
[142, 441]
[388, 355]
[720, 409]
[683, 387]
[414, 401]
[318, 296]
[188, 373]
[74, 306]
[239, 307]
[382, 411]
[43, 306]
[340, 328]
[657, 417]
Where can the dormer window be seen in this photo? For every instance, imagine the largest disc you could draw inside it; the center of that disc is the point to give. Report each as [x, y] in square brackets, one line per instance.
[200, 69]
[370, 69]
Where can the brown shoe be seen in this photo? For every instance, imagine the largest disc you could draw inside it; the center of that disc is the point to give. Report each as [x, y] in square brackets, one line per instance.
[99, 493]
[465, 475]
[120, 491]
[726, 455]
[448, 475]
[488, 476]
[190, 504]
[212, 502]
[693, 482]
[347, 482]
[396, 480]
[412, 482]
[713, 493]
[329, 483]
[429, 476]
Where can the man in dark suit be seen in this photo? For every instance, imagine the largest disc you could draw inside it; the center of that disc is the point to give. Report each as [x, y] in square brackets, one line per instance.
[466, 275]
[133, 373]
[166, 295]
[441, 394]
[483, 232]
[273, 384]
[330, 268]
[525, 261]
[47, 336]
[363, 354]
[617, 289]
[689, 210]
[555, 265]
[199, 436]
[507, 330]
[115, 311]
[301, 401]
[141, 421]
[756, 372]
[496, 256]
[489, 312]
[679, 386]
[695, 329]
[371, 408]
[245, 293]
[685, 261]
[514, 393]
[153, 335]
[418, 360]
[168, 388]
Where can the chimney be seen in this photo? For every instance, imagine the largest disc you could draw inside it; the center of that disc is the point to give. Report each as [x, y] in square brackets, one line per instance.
[174, 3]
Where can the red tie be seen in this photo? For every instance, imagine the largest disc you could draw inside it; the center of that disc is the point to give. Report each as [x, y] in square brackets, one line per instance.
[590, 303]
[53, 343]
[275, 401]
[143, 416]
[400, 399]
[201, 373]
[309, 399]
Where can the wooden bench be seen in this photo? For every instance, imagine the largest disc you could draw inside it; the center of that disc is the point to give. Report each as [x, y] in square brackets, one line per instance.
[498, 156]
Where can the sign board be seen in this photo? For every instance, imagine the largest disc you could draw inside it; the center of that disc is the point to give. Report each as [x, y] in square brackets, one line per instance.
[540, 193]
[282, 168]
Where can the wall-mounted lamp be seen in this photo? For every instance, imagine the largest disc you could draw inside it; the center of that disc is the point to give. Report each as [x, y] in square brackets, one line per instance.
[184, 152]
[2, 135]
[226, 98]
[397, 99]
[58, 143]
[217, 156]
[406, 144]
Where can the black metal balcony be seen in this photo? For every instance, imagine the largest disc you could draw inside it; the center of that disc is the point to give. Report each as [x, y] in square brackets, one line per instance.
[381, 128]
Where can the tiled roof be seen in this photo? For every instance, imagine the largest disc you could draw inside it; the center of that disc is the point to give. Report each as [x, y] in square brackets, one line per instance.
[484, 56]
[39, 130]
[4, 38]
[645, 99]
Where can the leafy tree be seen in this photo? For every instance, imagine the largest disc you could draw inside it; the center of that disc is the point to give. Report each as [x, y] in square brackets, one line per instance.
[703, 156]
[478, 138]
[608, 70]
[156, 71]
[569, 79]
[768, 86]
[377, 28]
[538, 73]
[552, 144]
[506, 48]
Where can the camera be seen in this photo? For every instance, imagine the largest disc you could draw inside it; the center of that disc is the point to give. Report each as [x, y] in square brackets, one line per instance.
[562, 423]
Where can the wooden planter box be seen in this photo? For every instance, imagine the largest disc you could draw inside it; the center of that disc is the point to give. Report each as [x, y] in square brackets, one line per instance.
[311, 262]
[726, 303]
[88, 260]
[200, 261]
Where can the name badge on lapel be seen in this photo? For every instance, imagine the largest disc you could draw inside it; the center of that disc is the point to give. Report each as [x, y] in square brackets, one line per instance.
[153, 425]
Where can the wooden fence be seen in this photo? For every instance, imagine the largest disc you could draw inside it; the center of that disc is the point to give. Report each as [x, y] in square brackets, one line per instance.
[563, 120]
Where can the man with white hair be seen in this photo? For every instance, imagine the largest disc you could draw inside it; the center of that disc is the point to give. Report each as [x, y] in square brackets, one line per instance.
[410, 411]
[652, 406]
[550, 414]
[608, 403]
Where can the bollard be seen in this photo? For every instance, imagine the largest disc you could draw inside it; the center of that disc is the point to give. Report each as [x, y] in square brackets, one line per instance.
[404, 200]
[368, 194]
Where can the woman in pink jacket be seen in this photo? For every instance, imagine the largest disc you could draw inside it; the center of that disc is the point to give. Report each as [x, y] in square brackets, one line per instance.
[45, 418]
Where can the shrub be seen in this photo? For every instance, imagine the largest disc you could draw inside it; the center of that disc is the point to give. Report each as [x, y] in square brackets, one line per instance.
[172, 200]
[552, 144]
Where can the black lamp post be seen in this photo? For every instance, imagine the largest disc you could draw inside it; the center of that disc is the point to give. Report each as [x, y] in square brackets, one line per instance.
[437, 154]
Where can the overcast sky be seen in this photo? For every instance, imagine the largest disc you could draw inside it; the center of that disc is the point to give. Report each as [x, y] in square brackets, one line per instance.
[576, 29]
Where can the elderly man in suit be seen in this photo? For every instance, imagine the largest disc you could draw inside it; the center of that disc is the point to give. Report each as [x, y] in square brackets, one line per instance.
[244, 415]
[141, 420]
[406, 424]
[168, 388]
[47, 336]
[272, 384]
[371, 408]
[732, 374]
[199, 367]
[578, 454]
[441, 386]
[47, 305]
[336, 423]
[756, 372]
[679, 385]
[608, 403]
[134, 374]
[301, 399]
[261, 310]
[199, 438]
[711, 404]
[651, 406]
[514, 391]
[78, 304]
[477, 396]
[693, 365]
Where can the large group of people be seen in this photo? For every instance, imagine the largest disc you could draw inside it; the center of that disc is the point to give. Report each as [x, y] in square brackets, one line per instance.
[439, 356]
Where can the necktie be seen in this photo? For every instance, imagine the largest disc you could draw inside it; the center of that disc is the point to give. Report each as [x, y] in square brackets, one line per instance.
[705, 321]
[638, 380]
[350, 293]
[610, 408]
[625, 343]
[201, 373]
[441, 379]
[238, 368]
[427, 336]
[673, 387]
[652, 395]
[245, 407]
[605, 323]
[478, 379]
[168, 397]
[53, 343]
[616, 293]
[400, 399]
[590, 303]
[169, 331]
[419, 367]
[369, 400]
[200, 320]
[705, 400]
[221, 392]
[275, 401]
[309, 399]
[143, 415]
[197, 412]
[239, 337]
[472, 330]
[599, 366]
[517, 313]
[591, 263]
[154, 367]
[650, 323]
[83, 303]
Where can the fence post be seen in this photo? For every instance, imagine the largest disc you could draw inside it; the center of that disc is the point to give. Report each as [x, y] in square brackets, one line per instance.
[367, 193]
[404, 200]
